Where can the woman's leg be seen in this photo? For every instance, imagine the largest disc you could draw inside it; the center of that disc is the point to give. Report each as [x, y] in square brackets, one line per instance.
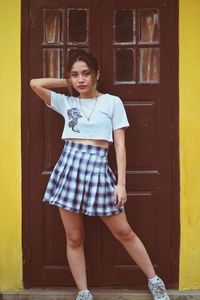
[74, 228]
[120, 228]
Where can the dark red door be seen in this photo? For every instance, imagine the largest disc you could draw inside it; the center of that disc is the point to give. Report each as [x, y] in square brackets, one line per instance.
[135, 43]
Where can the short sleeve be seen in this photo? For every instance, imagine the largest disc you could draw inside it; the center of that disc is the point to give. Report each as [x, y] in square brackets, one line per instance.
[58, 102]
[119, 118]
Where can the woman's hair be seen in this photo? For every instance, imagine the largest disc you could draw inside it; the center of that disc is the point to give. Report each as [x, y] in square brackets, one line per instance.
[82, 55]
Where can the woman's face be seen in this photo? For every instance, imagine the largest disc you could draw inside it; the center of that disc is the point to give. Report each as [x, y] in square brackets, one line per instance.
[83, 79]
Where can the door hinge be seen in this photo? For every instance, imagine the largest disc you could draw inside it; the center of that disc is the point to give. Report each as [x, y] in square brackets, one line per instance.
[28, 24]
[172, 132]
[28, 137]
[26, 256]
[173, 22]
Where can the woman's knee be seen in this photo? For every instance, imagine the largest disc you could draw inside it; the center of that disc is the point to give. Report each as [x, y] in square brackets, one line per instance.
[125, 234]
[75, 239]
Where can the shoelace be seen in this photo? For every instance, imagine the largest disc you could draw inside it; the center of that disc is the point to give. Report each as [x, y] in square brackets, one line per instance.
[158, 290]
[84, 296]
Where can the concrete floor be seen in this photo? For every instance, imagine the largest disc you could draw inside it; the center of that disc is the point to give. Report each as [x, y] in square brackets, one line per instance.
[99, 294]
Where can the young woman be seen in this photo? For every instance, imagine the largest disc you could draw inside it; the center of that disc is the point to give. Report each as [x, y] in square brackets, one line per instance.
[82, 182]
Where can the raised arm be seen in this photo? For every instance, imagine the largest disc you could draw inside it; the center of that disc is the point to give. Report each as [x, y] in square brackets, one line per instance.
[42, 87]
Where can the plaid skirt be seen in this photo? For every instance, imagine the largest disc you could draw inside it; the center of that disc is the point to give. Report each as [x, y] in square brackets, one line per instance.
[82, 181]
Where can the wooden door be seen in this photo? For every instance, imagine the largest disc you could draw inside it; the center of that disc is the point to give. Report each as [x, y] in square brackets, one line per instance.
[135, 43]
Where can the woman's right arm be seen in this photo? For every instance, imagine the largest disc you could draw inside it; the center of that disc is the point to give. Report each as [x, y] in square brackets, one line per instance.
[42, 87]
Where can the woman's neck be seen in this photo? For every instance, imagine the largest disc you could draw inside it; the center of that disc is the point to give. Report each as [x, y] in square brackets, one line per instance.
[93, 94]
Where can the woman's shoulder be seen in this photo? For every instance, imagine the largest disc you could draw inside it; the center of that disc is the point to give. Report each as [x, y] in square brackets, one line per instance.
[62, 96]
[110, 97]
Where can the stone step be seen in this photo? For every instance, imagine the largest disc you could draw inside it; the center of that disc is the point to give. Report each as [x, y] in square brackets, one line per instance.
[99, 294]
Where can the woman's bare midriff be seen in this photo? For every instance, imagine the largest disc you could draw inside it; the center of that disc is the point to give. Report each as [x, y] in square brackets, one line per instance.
[98, 143]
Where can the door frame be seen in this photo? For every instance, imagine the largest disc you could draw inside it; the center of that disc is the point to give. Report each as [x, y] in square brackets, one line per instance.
[26, 136]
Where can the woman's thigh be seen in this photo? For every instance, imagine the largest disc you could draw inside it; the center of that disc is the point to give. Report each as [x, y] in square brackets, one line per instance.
[118, 225]
[73, 223]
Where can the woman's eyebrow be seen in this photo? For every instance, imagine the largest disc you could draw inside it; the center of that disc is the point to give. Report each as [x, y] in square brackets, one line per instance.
[86, 70]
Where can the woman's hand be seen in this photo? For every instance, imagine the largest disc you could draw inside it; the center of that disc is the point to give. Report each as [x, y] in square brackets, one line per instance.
[120, 195]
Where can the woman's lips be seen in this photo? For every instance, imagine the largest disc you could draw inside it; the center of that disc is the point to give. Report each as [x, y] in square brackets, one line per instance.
[81, 87]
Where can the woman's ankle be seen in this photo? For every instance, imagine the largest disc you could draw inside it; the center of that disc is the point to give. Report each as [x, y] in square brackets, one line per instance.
[83, 291]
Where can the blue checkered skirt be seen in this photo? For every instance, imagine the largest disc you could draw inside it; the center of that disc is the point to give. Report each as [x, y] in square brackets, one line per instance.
[82, 181]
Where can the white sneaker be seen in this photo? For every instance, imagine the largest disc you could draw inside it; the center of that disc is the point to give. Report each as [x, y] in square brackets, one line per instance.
[158, 290]
[84, 295]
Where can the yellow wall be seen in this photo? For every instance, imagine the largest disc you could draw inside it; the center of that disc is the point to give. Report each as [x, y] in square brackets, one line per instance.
[10, 147]
[190, 143]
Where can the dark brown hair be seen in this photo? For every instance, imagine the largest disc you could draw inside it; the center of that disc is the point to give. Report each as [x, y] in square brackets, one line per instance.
[82, 55]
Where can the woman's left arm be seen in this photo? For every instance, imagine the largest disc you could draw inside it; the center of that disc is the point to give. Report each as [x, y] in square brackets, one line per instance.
[120, 150]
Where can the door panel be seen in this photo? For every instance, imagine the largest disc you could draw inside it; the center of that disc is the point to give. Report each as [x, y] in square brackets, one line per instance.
[132, 41]
[146, 94]
[51, 38]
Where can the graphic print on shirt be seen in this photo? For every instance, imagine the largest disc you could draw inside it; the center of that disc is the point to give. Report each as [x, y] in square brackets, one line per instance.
[73, 115]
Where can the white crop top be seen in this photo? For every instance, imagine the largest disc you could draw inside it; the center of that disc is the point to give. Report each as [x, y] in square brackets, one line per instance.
[108, 115]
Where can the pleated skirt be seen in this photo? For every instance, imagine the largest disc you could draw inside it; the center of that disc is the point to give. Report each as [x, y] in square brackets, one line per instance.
[82, 181]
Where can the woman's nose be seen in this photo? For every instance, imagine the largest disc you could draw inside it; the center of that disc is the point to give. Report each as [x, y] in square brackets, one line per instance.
[80, 78]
